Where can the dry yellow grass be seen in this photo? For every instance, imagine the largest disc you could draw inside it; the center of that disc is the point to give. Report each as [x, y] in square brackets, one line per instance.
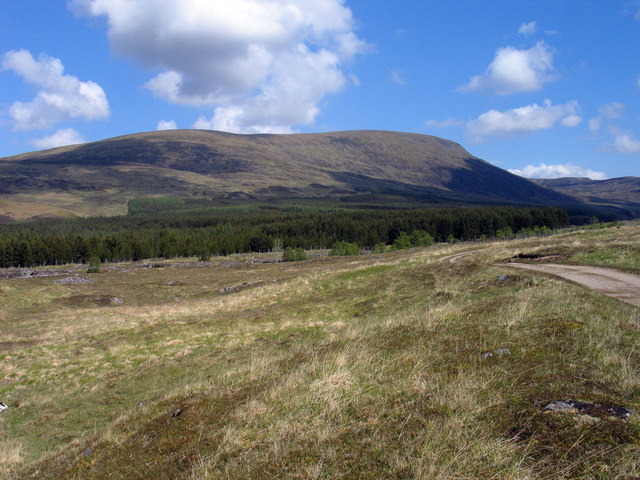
[330, 368]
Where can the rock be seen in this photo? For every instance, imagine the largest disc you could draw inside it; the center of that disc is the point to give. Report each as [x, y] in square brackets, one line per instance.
[592, 409]
[498, 352]
[233, 288]
[117, 301]
[3, 406]
[502, 278]
[74, 280]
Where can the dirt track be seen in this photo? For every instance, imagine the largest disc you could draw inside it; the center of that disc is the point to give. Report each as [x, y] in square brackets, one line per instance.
[455, 258]
[623, 286]
[614, 283]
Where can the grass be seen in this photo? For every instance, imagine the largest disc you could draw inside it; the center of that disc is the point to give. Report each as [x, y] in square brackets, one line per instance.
[614, 247]
[335, 367]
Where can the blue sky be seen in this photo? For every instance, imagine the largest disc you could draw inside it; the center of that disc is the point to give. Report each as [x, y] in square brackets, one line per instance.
[543, 88]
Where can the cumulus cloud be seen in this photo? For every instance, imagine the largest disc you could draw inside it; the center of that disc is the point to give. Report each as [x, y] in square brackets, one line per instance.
[625, 143]
[166, 125]
[523, 120]
[514, 71]
[61, 138]
[61, 97]
[528, 28]
[611, 110]
[262, 64]
[571, 120]
[558, 171]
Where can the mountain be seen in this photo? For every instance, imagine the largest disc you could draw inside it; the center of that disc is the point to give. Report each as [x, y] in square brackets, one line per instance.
[362, 167]
[621, 193]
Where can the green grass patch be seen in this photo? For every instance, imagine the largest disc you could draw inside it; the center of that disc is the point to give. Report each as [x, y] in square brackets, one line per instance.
[336, 367]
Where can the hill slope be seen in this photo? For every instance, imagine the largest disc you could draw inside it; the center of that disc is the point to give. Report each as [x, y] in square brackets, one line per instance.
[363, 166]
[621, 192]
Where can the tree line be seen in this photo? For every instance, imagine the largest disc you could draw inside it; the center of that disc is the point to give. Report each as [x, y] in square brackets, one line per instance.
[256, 229]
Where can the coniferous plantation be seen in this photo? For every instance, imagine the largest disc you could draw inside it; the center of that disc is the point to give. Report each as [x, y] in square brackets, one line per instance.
[168, 228]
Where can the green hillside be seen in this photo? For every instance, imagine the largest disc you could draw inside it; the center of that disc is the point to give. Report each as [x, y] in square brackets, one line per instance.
[376, 167]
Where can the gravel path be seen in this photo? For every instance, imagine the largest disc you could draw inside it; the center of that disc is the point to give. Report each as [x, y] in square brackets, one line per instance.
[614, 283]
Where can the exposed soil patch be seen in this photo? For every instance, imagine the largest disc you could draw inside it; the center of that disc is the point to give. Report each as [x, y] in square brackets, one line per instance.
[591, 409]
[502, 281]
[91, 300]
[539, 257]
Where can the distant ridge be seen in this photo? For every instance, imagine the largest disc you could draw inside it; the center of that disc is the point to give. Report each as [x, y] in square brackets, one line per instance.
[621, 193]
[353, 167]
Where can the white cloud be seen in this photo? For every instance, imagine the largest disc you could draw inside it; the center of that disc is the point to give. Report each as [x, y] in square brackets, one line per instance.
[62, 137]
[262, 64]
[299, 82]
[166, 125]
[62, 97]
[558, 171]
[571, 120]
[230, 119]
[626, 143]
[396, 78]
[519, 121]
[528, 28]
[514, 71]
[595, 124]
[611, 110]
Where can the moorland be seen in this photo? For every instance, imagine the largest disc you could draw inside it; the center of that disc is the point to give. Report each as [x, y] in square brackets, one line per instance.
[402, 364]
[194, 304]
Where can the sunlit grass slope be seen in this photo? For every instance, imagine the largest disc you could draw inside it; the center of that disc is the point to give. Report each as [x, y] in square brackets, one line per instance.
[352, 367]
[372, 167]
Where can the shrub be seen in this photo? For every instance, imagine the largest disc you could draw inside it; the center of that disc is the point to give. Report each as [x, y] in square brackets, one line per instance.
[402, 242]
[506, 232]
[94, 264]
[420, 238]
[526, 232]
[288, 255]
[344, 248]
[291, 255]
[380, 247]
